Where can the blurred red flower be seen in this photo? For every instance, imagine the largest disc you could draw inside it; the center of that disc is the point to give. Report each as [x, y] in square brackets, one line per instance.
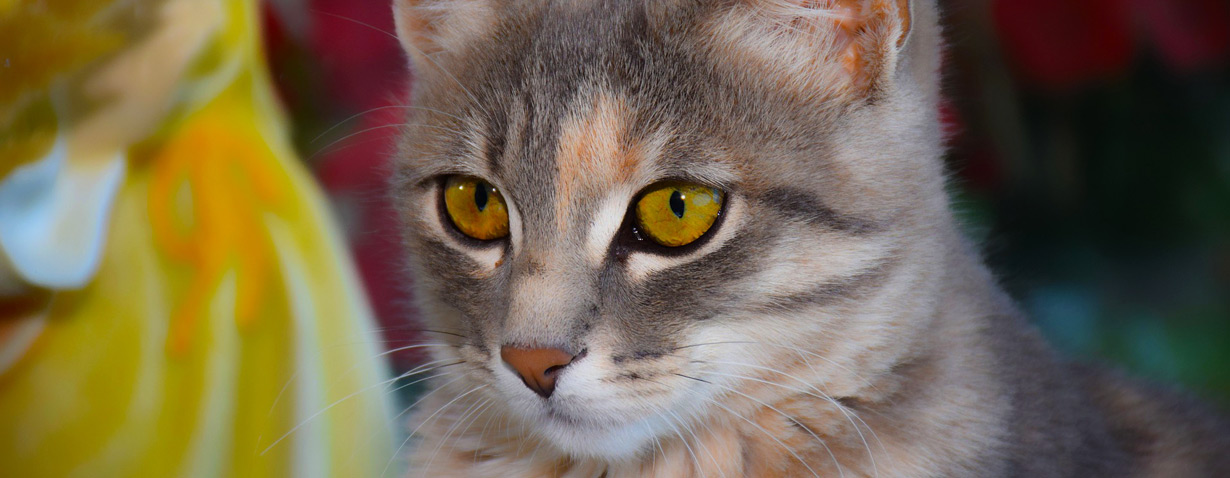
[357, 80]
[1066, 43]
[1189, 34]
[358, 51]
[1063, 43]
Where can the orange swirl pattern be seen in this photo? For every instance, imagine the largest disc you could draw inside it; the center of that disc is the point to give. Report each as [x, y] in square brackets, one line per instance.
[227, 186]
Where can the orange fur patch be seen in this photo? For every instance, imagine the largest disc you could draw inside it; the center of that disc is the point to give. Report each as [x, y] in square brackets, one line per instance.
[592, 151]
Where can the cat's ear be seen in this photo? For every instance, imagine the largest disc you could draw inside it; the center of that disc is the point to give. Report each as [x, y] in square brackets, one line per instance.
[428, 28]
[870, 37]
[851, 45]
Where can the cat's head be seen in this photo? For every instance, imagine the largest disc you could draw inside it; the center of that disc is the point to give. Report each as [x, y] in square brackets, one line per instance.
[640, 213]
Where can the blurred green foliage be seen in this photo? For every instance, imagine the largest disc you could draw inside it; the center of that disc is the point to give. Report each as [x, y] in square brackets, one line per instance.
[1103, 205]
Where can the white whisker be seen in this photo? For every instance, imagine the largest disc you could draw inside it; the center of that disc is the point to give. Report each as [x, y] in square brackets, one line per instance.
[818, 394]
[710, 430]
[436, 64]
[684, 441]
[483, 434]
[758, 427]
[424, 397]
[788, 347]
[700, 443]
[330, 406]
[326, 148]
[472, 410]
[428, 419]
[357, 22]
[380, 108]
[295, 375]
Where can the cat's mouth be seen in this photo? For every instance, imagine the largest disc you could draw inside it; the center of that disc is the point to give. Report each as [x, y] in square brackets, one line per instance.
[560, 413]
[556, 414]
[579, 427]
[586, 436]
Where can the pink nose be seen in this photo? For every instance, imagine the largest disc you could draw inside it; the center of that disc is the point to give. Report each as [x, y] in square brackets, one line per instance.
[538, 368]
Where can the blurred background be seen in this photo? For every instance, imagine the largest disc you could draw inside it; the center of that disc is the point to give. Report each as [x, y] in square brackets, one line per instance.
[1090, 155]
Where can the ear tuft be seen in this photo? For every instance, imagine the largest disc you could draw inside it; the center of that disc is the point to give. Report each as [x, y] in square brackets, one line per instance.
[428, 28]
[846, 46]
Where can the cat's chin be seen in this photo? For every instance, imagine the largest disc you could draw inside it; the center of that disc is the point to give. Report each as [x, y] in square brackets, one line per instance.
[608, 442]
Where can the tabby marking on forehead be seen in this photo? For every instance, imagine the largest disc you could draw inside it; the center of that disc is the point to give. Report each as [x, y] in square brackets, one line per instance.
[592, 151]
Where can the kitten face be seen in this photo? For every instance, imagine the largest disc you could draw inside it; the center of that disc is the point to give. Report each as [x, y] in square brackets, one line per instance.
[572, 111]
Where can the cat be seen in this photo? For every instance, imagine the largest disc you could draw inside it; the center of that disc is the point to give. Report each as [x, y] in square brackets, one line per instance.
[671, 238]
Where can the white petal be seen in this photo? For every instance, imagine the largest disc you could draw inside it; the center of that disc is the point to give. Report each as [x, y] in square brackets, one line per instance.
[54, 215]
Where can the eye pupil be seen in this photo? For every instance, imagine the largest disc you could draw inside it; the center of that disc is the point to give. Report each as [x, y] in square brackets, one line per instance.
[480, 196]
[676, 203]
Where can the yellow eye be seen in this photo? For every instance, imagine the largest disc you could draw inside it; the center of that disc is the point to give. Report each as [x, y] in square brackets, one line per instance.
[674, 214]
[476, 208]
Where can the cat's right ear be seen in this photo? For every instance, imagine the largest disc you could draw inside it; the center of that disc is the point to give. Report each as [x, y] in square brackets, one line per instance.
[832, 47]
[429, 28]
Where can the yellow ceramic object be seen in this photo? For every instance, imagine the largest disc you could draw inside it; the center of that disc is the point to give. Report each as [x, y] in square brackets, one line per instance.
[174, 298]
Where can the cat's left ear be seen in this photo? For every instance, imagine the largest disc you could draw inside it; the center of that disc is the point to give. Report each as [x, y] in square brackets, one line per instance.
[429, 28]
[849, 45]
